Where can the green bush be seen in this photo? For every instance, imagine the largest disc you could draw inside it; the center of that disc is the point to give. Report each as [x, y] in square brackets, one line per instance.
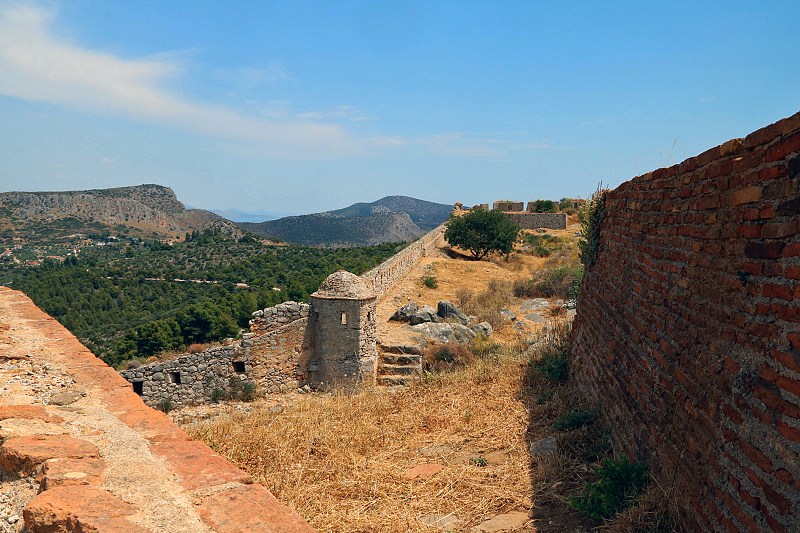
[575, 419]
[553, 356]
[217, 395]
[430, 282]
[482, 232]
[620, 482]
[165, 405]
[544, 206]
[591, 217]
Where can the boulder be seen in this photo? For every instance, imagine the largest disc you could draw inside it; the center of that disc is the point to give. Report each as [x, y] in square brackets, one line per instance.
[425, 314]
[544, 447]
[405, 313]
[448, 311]
[445, 332]
[507, 313]
[483, 328]
[534, 304]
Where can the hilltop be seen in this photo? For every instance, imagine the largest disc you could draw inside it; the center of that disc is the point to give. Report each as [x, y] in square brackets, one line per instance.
[151, 211]
[390, 219]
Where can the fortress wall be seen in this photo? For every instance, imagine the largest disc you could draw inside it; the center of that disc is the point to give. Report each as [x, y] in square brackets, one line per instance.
[273, 362]
[539, 220]
[688, 329]
[82, 451]
[275, 317]
[381, 278]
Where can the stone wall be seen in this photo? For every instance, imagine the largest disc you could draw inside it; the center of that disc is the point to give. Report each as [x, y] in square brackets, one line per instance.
[271, 362]
[381, 278]
[688, 329]
[273, 318]
[508, 206]
[527, 220]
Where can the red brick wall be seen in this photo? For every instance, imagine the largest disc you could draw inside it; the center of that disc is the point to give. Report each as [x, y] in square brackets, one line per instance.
[688, 329]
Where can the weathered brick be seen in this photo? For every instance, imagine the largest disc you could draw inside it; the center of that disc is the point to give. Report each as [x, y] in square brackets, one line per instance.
[792, 249]
[763, 250]
[746, 196]
[782, 148]
[749, 231]
[779, 230]
[741, 516]
[772, 290]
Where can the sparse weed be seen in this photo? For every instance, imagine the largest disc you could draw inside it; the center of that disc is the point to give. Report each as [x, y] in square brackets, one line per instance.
[430, 282]
[575, 419]
[620, 482]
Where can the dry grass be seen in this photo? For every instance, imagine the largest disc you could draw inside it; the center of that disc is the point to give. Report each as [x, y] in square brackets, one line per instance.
[339, 459]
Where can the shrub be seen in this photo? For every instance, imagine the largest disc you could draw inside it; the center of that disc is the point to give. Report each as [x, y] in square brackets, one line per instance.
[217, 395]
[553, 355]
[576, 419]
[165, 405]
[544, 206]
[482, 232]
[195, 348]
[133, 363]
[620, 482]
[430, 282]
[560, 282]
[591, 217]
[485, 306]
[446, 357]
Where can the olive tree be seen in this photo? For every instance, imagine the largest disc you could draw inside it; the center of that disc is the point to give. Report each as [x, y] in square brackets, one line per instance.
[482, 232]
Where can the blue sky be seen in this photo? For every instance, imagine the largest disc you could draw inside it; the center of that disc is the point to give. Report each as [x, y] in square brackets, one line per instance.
[297, 107]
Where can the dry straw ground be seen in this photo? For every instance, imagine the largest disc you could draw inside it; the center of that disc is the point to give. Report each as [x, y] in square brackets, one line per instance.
[340, 459]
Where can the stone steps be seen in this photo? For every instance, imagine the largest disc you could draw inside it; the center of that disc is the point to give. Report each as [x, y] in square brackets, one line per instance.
[398, 370]
[390, 381]
[394, 359]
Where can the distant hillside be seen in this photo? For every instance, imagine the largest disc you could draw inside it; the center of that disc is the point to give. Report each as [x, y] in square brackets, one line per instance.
[142, 210]
[390, 219]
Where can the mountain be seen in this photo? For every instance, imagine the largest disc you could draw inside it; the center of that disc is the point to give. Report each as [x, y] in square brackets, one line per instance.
[390, 219]
[143, 210]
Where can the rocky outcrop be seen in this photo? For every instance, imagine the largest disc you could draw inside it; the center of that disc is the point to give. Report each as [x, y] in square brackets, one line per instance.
[150, 207]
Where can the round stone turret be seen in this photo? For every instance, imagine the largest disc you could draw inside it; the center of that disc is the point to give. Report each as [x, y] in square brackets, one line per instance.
[345, 331]
[342, 285]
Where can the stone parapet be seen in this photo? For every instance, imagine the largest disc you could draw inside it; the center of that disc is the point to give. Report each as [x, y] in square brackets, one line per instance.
[539, 220]
[383, 277]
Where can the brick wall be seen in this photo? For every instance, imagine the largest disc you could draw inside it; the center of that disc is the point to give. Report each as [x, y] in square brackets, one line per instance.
[688, 329]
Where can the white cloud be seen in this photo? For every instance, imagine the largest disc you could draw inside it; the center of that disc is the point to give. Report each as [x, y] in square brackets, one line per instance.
[246, 78]
[106, 160]
[35, 65]
[343, 112]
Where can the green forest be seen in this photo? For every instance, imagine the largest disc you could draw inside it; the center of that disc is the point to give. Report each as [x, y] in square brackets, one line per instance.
[138, 298]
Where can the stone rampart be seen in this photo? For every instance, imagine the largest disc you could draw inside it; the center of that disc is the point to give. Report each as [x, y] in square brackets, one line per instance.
[80, 451]
[275, 317]
[527, 220]
[271, 362]
[688, 329]
[383, 277]
[507, 206]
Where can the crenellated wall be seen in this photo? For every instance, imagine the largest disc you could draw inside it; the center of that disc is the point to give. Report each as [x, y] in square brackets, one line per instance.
[688, 329]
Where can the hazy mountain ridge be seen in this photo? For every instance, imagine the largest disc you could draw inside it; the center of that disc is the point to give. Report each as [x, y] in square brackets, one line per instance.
[148, 208]
[390, 219]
